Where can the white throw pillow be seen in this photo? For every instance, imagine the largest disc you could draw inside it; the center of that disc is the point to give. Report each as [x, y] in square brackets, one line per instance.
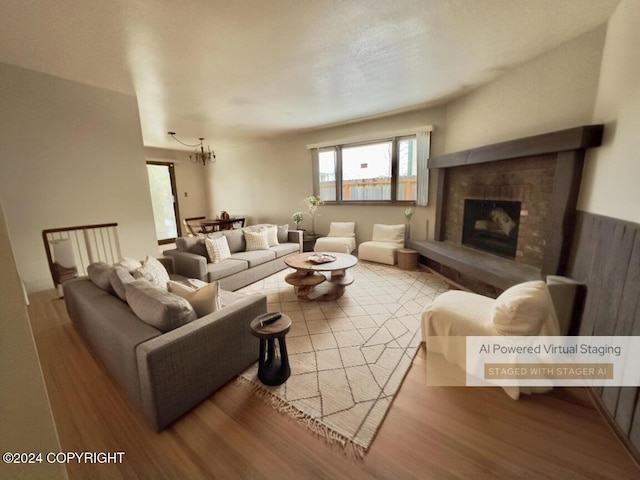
[256, 240]
[204, 299]
[119, 276]
[130, 264]
[342, 229]
[388, 233]
[523, 308]
[217, 249]
[152, 271]
[272, 235]
[283, 233]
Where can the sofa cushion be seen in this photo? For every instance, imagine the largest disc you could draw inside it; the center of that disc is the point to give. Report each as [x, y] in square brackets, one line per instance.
[523, 308]
[99, 274]
[283, 233]
[119, 276]
[158, 307]
[216, 271]
[255, 257]
[203, 298]
[152, 271]
[217, 249]
[192, 245]
[256, 240]
[285, 249]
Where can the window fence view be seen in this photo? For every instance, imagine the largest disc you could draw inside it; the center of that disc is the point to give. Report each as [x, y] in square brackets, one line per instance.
[367, 171]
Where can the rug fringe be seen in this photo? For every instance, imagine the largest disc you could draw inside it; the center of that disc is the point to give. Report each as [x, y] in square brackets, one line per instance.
[316, 426]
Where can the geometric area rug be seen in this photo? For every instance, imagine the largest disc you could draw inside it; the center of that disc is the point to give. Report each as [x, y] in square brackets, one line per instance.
[349, 356]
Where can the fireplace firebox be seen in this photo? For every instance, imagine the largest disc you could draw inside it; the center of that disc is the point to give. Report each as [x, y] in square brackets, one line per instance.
[492, 226]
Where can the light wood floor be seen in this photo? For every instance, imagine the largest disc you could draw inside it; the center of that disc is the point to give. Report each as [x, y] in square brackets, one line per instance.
[441, 433]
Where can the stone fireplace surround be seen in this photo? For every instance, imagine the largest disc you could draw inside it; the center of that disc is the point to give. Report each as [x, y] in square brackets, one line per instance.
[542, 172]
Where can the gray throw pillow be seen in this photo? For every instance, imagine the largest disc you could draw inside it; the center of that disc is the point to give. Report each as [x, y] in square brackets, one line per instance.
[235, 239]
[192, 245]
[158, 308]
[99, 274]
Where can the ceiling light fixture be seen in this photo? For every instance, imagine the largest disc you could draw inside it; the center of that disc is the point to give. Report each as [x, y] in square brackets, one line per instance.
[199, 154]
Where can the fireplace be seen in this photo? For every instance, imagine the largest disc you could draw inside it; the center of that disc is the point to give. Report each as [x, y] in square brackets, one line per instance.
[491, 226]
[542, 175]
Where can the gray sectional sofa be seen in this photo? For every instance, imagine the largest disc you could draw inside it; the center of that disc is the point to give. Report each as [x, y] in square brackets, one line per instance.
[243, 267]
[165, 374]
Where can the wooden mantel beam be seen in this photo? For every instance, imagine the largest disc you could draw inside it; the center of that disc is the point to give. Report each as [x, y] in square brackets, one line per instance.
[578, 138]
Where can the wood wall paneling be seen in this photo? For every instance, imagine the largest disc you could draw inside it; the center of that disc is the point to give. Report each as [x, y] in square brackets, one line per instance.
[606, 258]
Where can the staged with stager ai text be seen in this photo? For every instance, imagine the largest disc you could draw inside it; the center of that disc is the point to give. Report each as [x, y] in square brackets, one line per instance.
[530, 361]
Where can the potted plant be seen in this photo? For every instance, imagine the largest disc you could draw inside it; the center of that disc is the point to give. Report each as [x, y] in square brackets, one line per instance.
[313, 202]
[297, 219]
[408, 213]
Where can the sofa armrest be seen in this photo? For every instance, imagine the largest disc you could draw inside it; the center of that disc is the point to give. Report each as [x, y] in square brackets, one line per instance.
[167, 262]
[183, 367]
[190, 265]
[295, 236]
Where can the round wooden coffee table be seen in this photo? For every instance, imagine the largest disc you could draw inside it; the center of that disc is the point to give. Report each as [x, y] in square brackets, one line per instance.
[308, 275]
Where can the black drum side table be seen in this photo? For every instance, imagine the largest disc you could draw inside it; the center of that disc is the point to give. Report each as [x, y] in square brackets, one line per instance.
[273, 363]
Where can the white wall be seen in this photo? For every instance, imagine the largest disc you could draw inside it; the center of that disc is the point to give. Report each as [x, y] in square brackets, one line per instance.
[610, 181]
[71, 154]
[25, 414]
[557, 90]
[551, 92]
[268, 180]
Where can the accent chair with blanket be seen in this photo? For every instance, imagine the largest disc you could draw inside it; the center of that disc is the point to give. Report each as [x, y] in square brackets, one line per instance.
[530, 308]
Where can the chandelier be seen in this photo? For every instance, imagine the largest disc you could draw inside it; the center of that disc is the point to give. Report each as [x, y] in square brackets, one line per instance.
[199, 154]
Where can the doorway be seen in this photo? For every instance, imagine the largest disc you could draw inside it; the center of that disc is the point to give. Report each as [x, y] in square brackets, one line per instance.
[162, 183]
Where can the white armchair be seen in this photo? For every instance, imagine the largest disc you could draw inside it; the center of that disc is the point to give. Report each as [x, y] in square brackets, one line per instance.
[341, 238]
[529, 308]
[382, 248]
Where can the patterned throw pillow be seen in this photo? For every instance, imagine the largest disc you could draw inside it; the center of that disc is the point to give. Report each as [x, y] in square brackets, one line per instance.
[217, 249]
[256, 240]
[204, 300]
[153, 271]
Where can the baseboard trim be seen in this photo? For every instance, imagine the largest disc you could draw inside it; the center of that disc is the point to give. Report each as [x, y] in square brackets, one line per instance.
[615, 428]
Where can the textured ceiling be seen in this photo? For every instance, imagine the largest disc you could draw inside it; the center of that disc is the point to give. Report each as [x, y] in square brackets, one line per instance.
[236, 70]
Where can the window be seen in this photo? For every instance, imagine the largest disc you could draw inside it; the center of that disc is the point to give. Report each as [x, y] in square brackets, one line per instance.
[327, 173]
[366, 172]
[162, 183]
[374, 171]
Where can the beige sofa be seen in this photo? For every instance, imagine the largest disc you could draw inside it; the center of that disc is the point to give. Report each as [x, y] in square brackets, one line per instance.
[243, 267]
